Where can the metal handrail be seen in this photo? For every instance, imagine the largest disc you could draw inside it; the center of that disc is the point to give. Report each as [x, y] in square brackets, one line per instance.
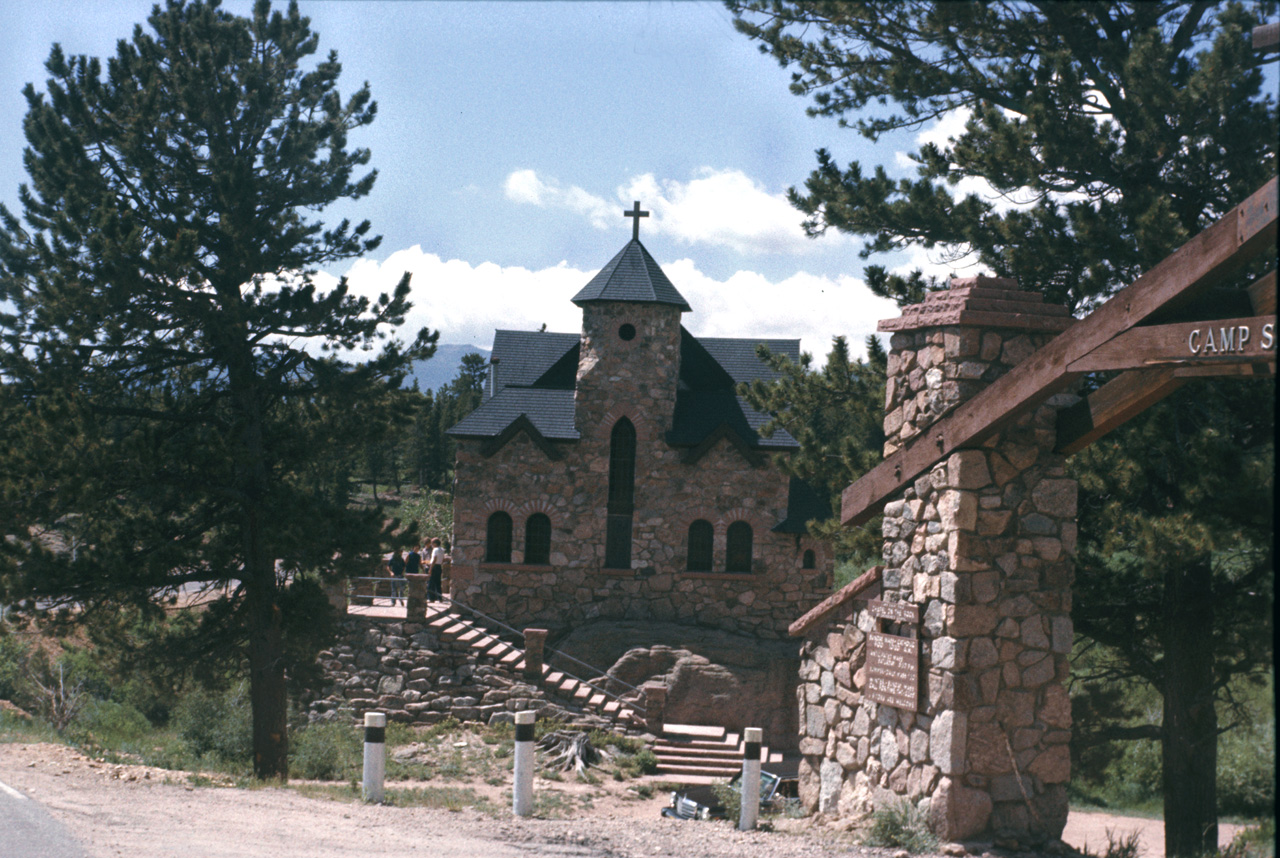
[519, 634]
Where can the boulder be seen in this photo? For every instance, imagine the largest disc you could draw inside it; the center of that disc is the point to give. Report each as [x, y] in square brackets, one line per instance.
[712, 677]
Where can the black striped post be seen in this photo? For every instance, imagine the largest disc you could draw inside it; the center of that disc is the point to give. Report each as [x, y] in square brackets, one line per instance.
[375, 755]
[750, 778]
[522, 794]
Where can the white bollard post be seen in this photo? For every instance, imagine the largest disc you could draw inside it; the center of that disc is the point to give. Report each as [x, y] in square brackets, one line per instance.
[375, 755]
[522, 796]
[750, 779]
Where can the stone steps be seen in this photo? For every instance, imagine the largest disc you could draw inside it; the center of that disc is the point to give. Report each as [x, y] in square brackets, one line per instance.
[701, 753]
[453, 627]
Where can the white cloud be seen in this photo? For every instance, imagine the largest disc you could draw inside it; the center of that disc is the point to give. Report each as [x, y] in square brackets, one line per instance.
[942, 262]
[525, 186]
[724, 208]
[466, 301]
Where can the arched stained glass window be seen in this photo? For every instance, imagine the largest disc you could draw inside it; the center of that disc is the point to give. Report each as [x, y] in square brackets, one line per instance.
[497, 539]
[622, 489]
[701, 536]
[738, 551]
[537, 539]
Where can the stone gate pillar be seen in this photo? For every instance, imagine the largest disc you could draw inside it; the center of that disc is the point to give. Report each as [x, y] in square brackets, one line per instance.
[983, 545]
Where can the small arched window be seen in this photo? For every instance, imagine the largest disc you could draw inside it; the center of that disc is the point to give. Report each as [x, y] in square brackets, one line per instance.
[537, 539]
[810, 560]
[497, 539]
[700, 541]
[738, 551]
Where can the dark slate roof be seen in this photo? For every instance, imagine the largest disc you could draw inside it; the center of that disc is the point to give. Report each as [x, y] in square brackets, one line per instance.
[521, 358]
[804, 504]
[738, 356]
[634, 276]
[550, 411]
[710, 369]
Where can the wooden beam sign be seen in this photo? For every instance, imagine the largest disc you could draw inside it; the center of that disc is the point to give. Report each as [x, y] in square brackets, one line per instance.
[1221, 341]
[1206, 260]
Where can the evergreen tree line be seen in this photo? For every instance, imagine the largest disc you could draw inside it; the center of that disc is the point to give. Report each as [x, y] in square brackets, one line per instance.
[414, 450]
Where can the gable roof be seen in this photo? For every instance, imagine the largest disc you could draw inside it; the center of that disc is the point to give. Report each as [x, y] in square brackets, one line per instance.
[522, 358]
[633, 276]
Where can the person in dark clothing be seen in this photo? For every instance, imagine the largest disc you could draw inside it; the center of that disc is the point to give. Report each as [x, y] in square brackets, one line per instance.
[413, 563]
[397, 566]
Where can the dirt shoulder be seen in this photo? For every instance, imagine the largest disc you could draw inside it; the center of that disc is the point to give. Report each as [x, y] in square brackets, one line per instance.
[142, 812]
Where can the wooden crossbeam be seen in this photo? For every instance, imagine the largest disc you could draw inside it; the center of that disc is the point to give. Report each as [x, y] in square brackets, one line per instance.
[1124, 397]
[1206, 259]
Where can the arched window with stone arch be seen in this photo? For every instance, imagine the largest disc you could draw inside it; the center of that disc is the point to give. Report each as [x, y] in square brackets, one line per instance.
[497, 538]
[738, 550]
[622, 489]
[810, 559]
[701, 539]
[537, 539]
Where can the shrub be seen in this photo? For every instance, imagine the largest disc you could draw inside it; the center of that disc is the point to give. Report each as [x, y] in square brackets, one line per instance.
[326, 752]
[217, 724]
[111, 725]
[13, 666]
[901, 826]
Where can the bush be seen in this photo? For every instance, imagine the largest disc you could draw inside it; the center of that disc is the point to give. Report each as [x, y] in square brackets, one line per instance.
[217, 724]
[326, 752]
[1247, 770]
[111, 725]
[901, 826]
[13, 666]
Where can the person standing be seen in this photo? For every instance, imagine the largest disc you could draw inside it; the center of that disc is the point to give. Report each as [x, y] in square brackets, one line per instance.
[397, 566]
[436, 562]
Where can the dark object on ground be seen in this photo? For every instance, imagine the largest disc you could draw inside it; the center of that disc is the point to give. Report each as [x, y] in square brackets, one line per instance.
[778, 783]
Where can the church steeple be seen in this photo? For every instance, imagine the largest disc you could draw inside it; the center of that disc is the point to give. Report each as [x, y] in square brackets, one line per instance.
[632, 276]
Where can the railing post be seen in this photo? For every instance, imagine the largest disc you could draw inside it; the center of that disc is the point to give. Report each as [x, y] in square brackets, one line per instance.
[375, 755]
[750, 778]
[535, 642]
[522, 789]
[416, 605]
[655, 701]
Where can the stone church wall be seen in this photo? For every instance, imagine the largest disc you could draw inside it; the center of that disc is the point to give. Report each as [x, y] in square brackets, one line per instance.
[575, 587]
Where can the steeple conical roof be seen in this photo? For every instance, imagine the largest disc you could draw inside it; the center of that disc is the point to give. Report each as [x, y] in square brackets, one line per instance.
[633, 276]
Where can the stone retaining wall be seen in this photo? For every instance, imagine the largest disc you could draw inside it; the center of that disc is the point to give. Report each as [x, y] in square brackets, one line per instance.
[405, 669]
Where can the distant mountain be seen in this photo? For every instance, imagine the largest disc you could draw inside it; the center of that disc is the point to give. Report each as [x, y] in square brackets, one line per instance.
[442, 368]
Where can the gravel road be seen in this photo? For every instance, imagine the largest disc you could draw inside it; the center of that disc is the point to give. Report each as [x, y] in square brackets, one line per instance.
[139, 812]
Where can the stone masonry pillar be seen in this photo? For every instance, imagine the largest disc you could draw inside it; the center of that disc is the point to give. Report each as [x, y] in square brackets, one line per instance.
[983, 544]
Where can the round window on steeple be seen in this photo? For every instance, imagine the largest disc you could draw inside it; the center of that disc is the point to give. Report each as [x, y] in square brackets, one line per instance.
[627, 332]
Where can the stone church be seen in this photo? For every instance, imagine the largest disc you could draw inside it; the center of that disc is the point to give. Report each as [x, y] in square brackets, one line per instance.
[615, 474]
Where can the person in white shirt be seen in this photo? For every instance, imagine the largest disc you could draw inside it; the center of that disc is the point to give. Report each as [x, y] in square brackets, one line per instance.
[436, 563]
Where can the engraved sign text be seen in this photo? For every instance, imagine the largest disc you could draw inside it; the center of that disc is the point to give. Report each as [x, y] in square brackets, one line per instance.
[893, 670]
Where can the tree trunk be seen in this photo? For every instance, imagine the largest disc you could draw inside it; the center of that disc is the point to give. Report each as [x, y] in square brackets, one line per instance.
[267, 693]
[1189, 749]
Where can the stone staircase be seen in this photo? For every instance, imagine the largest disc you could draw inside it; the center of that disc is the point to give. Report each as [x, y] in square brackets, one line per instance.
[696, 754]
[453, 627]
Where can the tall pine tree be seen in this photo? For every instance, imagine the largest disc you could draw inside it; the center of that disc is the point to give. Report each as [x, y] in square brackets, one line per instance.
[1123, 129]
[168, 333]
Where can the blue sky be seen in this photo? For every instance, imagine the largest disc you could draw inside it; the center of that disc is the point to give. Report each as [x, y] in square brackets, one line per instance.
[511, 136]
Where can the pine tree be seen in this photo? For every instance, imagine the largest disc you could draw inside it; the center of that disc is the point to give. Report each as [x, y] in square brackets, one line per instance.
[1123, 129]
[169, 333]
[835, 414]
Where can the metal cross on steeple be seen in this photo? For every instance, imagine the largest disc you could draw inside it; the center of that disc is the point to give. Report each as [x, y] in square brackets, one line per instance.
[635, 214]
